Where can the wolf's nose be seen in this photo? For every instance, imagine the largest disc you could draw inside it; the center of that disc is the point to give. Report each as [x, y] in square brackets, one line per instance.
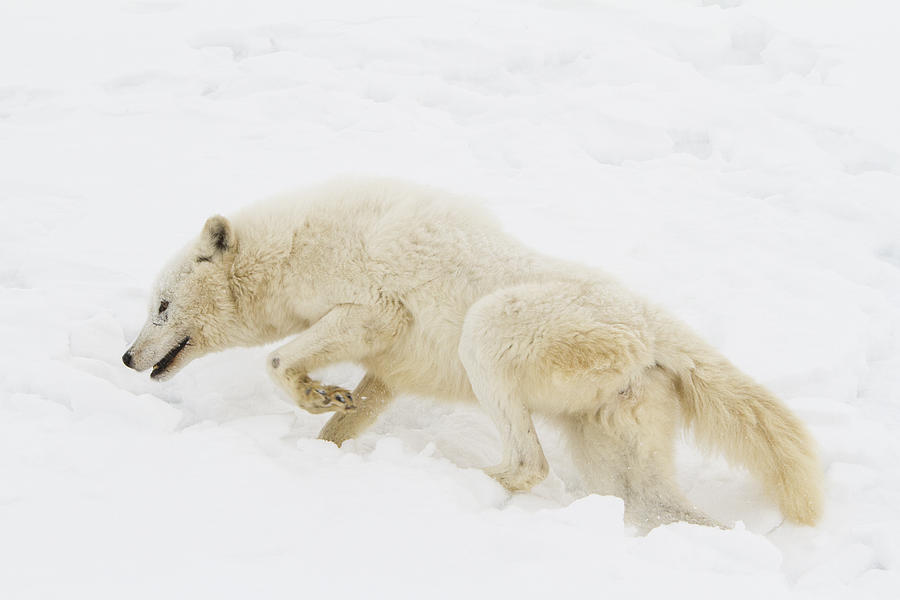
[126, 358]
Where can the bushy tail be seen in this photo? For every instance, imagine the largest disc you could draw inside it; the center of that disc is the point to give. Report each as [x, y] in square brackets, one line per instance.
[731, 413]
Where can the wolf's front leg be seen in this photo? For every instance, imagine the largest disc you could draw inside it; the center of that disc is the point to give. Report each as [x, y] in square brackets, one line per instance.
[311, 395]
[349, 332]
[371, 397]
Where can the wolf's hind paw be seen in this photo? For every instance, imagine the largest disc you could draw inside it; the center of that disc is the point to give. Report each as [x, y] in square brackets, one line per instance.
[520, 479]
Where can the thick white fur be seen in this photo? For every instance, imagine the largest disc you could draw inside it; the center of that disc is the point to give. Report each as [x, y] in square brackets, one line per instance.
[433, 299]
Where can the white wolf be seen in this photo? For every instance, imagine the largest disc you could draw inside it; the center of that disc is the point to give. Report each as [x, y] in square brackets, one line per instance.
[433, 299]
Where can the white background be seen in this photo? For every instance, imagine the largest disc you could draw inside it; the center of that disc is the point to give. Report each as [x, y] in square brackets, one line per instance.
[735, 161]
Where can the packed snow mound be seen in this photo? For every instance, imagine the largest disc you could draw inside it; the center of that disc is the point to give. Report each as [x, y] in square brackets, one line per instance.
[734, 160]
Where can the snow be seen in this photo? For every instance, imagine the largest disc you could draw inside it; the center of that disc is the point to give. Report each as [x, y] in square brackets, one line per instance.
[736, 161]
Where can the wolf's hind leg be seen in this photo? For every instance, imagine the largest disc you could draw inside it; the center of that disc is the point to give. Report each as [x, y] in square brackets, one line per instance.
[628, 451]
[523, 464]
[371, 396]
[481, 350]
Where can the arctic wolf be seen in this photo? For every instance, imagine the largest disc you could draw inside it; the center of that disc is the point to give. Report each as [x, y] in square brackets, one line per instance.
[434, 299]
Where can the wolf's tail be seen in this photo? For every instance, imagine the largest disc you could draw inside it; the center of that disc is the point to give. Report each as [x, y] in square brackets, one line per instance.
[731, 413]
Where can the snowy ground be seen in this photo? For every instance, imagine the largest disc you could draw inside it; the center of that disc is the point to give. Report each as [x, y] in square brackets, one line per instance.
[736, 161]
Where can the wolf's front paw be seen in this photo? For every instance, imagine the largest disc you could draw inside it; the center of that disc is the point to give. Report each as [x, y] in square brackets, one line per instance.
[310, 395]
[314, 397]
[319, 398]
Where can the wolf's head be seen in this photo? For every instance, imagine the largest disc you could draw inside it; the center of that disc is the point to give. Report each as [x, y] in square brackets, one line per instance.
[192, 309]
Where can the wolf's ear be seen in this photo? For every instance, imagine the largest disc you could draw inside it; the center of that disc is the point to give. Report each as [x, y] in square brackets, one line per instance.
[217, 234]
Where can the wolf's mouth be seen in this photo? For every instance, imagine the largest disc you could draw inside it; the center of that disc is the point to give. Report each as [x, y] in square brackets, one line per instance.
[163, 364]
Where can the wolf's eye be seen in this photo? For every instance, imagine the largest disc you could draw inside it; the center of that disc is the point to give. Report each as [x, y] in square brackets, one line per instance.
[163, 305]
